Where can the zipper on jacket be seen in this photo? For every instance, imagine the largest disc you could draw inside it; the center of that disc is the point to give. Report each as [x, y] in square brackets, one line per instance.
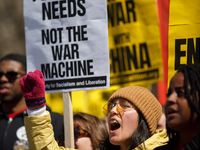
[5, 134]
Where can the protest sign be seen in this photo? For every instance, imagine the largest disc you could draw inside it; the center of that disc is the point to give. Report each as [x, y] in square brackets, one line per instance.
[68, 41]
[184, 34]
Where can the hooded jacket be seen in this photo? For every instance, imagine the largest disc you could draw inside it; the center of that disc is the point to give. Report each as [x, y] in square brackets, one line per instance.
[40, 135]
[13, 134]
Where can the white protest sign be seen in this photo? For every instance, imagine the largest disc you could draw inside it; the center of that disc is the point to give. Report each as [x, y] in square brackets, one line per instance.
[68, 41]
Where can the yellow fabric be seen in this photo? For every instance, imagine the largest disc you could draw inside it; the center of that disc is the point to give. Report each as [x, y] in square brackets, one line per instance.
[40, 133]
[184, 34]
[41, 137]
[134, 42]
[160, 138]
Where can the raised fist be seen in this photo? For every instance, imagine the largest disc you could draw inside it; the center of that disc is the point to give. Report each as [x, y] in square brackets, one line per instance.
[33, 89]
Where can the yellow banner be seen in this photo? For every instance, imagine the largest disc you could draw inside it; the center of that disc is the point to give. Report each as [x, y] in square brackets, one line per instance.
[134, 42]
[184, 34]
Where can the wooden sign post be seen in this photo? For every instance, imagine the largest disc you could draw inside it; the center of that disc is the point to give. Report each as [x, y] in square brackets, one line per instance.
[68, 120]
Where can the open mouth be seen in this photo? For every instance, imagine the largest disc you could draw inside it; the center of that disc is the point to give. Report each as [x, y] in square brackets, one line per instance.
[114, 125]
[171, 111]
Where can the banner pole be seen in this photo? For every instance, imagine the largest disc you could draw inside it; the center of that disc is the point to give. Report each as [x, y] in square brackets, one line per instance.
[68, 120]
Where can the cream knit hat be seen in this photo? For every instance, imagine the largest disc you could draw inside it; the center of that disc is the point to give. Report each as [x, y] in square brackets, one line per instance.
[144, 101]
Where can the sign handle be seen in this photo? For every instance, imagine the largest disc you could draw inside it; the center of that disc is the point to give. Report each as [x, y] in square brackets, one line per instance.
[68, 120]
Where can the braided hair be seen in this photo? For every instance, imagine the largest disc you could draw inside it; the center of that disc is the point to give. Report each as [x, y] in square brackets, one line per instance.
[191, 74]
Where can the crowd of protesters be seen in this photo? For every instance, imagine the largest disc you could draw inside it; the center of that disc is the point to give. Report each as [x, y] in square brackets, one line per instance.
[133, 114]
[135, 118]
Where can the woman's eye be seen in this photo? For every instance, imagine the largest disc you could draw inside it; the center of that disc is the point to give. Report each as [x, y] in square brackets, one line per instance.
[125, 106]
[180, 93]
[111, 106]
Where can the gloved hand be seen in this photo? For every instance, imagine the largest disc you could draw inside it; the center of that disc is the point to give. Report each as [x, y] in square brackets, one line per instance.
[33, 89]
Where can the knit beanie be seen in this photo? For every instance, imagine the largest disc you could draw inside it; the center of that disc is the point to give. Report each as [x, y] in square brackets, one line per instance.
[144, 101]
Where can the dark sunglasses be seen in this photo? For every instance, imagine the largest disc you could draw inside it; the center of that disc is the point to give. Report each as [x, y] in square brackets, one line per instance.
[9, 74]
[79, 132]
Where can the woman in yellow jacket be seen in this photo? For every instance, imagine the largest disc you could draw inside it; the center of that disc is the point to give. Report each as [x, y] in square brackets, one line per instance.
[133, 114]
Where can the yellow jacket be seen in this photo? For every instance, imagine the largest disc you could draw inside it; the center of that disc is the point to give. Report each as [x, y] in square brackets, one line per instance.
[40, 133]
[158, 139]
[41, 136]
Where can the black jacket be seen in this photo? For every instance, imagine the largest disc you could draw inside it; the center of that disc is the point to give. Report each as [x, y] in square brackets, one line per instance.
[13, 134]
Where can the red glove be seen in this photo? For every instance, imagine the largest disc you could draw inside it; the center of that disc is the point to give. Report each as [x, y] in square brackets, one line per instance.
[33, 89]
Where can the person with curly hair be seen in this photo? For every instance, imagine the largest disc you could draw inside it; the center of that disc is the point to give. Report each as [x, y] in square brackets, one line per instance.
[182, 109]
